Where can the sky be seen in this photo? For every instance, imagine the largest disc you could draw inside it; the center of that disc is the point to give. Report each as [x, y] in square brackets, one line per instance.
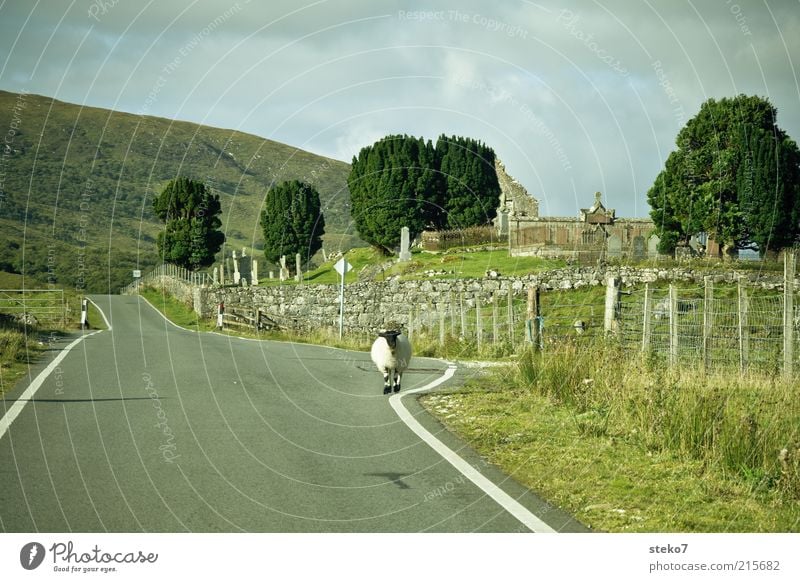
[574, 97]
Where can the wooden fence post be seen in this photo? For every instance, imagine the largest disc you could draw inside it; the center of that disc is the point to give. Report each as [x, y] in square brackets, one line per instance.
[611, 317]
[647, 314]
[532, 324]
[744, 328]
[788, 312]
[463, 315]
[708, 320]
[452, 308]
[495, 319]
[673, 325]
[478, 322]
[511, 315]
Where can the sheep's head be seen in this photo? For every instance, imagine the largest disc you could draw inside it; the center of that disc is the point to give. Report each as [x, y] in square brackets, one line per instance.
[390, 336]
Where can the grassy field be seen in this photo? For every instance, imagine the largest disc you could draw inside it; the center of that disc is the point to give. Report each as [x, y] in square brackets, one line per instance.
[21, 346]
[80, 182]
[454, 264]
[627, 446]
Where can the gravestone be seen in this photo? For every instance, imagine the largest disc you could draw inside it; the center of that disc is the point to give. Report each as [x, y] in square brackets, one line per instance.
[639, 248]
[614, 246]
[405, 253]
[652, 246]
[298, 263]
[237, 276]
[254, 273]
[284, 272]
[214, 276]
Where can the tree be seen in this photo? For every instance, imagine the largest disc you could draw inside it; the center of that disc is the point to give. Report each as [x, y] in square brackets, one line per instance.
[394, 183]
[191, 214]
[733, 177]
[472, 189]
[405, 181]
[292, 221]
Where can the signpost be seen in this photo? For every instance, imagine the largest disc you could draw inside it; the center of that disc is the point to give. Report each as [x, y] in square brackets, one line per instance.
[342, 266]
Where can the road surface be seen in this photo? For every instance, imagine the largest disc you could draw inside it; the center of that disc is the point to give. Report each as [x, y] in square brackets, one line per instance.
[148, 427]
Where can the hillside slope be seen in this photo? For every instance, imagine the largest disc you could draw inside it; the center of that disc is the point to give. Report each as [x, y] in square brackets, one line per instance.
[76, 187]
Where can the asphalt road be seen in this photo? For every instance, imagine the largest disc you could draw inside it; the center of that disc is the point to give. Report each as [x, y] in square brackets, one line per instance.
[148, 427]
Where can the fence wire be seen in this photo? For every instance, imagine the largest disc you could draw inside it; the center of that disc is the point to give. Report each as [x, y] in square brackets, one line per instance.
[745, 330]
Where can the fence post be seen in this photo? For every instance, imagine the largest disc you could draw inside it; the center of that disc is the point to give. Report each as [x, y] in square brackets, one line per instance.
[673, 325]
[495, 319]
[532, 323]
[744, 328]
[441, 313]
[463, 315]
[647, 313]
[611, 317]
[478, 322]
[510, 315]
[788, 312]
[708, 319]
[452, 308]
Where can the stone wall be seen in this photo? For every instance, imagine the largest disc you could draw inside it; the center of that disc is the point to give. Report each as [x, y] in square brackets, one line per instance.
[370, 305]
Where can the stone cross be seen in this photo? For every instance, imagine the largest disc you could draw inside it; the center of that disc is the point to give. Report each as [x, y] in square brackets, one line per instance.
[405, 254]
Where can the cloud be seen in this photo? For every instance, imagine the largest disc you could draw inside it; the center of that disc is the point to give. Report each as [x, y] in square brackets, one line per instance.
[573, 101]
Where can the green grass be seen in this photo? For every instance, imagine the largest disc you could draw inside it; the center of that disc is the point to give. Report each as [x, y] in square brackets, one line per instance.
[174, 310]
[452, 264]
[75, 169]
[628, 446]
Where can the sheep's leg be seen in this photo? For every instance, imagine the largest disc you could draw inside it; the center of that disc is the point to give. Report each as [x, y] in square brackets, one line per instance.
[397, 377]
[387, 386]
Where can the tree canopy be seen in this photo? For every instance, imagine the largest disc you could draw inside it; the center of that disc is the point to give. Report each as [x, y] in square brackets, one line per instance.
[734, 177]
[407, 181]
[292, 221]
[190, 213]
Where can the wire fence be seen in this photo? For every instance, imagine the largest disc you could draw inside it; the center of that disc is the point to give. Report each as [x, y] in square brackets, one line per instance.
[46, 305]
[740, 327]
[167, 270]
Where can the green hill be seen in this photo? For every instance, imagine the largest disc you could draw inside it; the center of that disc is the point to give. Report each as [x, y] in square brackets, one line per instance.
[76, 187]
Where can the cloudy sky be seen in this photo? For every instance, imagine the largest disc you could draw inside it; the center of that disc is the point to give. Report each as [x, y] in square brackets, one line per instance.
[574, 97]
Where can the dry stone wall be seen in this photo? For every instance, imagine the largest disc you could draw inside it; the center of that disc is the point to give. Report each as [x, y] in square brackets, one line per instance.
[370, 305]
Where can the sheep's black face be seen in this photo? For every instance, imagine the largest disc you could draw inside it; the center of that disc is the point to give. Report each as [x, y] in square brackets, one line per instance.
[390, 337]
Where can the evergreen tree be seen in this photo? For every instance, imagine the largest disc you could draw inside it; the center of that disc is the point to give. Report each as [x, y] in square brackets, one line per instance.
[471, 186]
[734, 177]
[292, 221]
[190, 213]
[405, 181]
[393, 184]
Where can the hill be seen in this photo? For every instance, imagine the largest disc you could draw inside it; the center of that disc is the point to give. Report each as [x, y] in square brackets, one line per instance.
[76, 186]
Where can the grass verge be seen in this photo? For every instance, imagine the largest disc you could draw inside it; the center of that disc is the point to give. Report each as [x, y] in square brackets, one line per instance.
[627, 446]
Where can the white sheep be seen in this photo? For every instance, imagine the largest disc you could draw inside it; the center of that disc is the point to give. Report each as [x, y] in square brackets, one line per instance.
[391, 352]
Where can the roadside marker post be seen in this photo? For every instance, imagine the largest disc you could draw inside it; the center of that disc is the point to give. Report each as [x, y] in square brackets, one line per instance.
[341, 267]
[84, 313]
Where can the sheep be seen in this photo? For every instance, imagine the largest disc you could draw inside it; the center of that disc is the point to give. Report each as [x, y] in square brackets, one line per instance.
[391, 353]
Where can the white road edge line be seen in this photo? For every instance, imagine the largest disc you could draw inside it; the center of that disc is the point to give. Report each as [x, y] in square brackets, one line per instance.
[30, 391]
[502, 498]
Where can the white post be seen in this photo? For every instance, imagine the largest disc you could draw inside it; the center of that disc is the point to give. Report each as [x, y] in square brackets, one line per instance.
[84, 313]
[341, 300]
